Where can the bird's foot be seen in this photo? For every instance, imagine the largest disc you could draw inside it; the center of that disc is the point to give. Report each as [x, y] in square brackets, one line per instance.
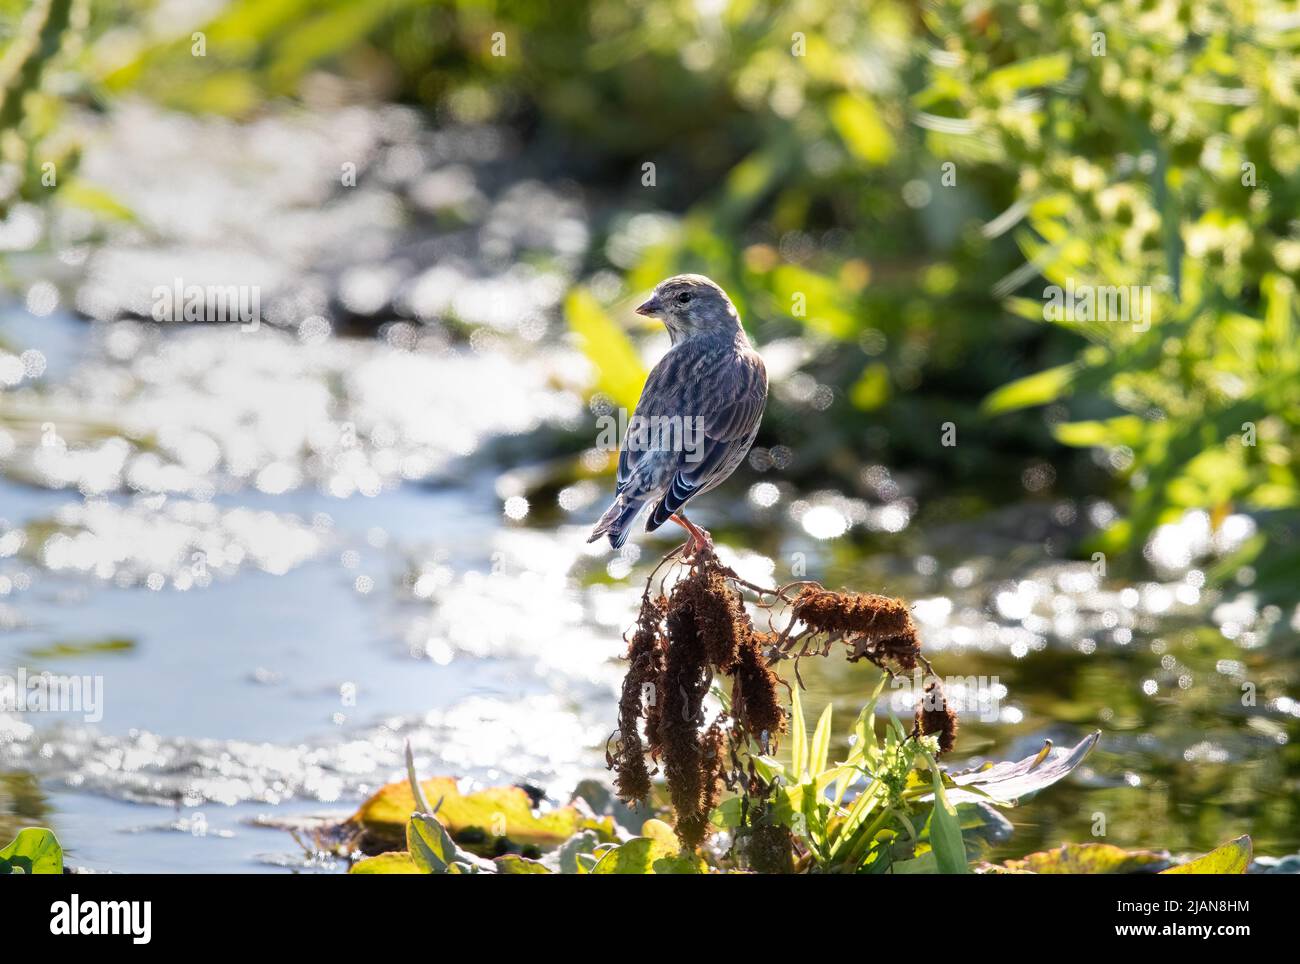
[699, 543]
[697, 539]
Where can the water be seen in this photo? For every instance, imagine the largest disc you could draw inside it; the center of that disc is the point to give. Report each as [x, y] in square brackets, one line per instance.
[286, 551]
[265, 649]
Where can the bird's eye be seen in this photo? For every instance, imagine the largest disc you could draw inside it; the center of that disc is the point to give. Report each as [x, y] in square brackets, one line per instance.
[684, 298]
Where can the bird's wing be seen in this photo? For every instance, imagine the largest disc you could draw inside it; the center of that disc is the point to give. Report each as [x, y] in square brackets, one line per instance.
[668, 391]
[730, 405]
[659, 392]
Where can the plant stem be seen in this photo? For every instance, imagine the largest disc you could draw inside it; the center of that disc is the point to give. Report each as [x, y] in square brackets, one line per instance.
[860, 845]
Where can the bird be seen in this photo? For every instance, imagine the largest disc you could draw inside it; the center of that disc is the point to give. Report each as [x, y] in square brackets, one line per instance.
[697, 417]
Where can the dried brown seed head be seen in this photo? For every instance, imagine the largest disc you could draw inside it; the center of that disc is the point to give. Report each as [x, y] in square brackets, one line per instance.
[935, 716]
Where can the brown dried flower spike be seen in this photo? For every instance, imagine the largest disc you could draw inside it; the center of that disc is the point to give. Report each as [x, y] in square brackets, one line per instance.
[877, 628]
[700, 630]
[934, 715]
[680, 643]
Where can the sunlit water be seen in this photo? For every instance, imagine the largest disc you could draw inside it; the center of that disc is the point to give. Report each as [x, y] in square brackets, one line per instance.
[287, 550]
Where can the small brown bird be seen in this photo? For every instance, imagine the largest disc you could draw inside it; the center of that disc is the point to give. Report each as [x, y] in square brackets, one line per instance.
[698, 414]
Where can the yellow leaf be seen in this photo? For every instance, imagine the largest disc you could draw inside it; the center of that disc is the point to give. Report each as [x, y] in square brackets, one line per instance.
[1085, 858]
[1037, 389]
[496, 812]
[620, 373]
[393, 862]
[860, 127]
[656, 851]
[1033, 72]
[871, 390]
[1232, 858]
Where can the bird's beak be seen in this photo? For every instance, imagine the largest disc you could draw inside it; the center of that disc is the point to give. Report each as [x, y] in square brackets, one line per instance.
[649, 308]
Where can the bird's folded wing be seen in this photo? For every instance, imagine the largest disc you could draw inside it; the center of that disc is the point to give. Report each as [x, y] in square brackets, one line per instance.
[663, 394]
[729, 419]
[719, 402]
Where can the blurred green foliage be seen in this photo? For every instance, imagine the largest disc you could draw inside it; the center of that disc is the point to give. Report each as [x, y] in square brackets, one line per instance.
[894, 184]
[31, 147]
[1158, 149]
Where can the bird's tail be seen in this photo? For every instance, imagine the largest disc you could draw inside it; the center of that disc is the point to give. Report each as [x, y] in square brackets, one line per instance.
[617, 521]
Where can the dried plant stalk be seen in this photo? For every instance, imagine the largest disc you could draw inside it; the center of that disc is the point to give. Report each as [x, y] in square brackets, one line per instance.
[701, 630]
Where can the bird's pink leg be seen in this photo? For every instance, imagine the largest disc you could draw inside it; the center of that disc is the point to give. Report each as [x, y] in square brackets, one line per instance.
[698, 539]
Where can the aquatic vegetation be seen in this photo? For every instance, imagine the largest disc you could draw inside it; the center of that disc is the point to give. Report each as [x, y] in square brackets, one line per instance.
[34, 851]
[1232, 858]
[492, 821]
[868, 832]
[435, 835]
[680, 642]
[1099, 858]
[780, 818]
[701, 629]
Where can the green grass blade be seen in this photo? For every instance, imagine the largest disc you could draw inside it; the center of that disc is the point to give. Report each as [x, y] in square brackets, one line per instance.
[821, 743]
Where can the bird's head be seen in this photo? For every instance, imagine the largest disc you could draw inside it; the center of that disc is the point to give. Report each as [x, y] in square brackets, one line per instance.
[691, 304]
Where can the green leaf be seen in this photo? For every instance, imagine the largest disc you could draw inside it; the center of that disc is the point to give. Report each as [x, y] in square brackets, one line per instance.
[821, 743]
[727, 814]
[863, 749]
[1279, 316]
[927, 863]
[945, 829]
[858, 122]
[96, 200]
[34, 851]
[828, 310]
[900, 734]
[1122, 430]
[514, 864]
[862, 807]
[77, 647]
[429, 844]
[318, 36]
[982, 821]
[769, 768]
[637, 856]
[813, 825]
[573, 851]
[1040, 388]
[1232, 858]
[417, 794]
[871, 390]
[657, 851]
[37, 43]
[434, 852]
[1032, 72]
